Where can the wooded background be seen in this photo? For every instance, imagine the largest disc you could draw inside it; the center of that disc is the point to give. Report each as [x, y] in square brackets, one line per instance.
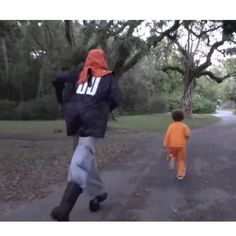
[161, 65]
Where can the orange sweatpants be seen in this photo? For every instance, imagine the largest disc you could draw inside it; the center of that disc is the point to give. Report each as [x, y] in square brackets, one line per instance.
[179, 154]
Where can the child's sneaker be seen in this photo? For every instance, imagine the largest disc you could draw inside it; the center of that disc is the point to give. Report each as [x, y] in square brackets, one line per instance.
[169, 157]
[172, 164]
[180, 177]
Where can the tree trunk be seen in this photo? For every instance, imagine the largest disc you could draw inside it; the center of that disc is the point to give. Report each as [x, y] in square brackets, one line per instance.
[21, 92]
[187, 98]
[6, 65]
[41, 77]
[69, 33]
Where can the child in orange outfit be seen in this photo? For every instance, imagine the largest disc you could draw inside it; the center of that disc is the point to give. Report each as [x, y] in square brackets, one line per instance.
[175, 140]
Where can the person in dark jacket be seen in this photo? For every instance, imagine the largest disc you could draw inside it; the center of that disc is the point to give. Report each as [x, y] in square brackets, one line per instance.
[95, 93]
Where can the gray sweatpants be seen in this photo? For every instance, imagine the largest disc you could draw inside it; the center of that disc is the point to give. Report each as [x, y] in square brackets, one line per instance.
[83, 167]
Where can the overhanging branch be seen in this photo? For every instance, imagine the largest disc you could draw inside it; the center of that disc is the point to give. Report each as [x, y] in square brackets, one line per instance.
[207, 63]
[129, 63]
[154, 40]
[216, 78]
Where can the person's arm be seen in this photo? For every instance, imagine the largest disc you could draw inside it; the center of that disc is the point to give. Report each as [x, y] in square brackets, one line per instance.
[59, 84]
[115, 93]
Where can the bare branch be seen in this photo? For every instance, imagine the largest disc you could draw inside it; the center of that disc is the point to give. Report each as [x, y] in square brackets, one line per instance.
[221, 51]
[50, 36]
[233, 41]
[196, 48]
[203, 32]
[216, 78]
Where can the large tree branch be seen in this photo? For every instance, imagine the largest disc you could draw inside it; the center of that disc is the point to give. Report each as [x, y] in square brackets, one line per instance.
[133, 24]
[173, 68]
[103, 32]
[154, 40]
[207, 63]
[131, 62]
[216, 78]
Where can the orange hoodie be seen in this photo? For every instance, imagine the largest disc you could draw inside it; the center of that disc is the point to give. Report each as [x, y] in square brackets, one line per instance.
[176, 135]
[97, 62]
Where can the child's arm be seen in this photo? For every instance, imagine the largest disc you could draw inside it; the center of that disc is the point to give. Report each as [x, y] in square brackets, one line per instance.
[166, 138]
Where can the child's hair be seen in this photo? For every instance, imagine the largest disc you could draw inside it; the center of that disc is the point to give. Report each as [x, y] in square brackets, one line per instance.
[177, 115]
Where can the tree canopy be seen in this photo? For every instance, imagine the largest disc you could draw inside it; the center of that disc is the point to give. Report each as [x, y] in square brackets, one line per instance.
[161, 64]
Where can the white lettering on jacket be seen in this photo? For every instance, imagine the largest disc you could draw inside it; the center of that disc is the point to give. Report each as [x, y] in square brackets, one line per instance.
[85, 89]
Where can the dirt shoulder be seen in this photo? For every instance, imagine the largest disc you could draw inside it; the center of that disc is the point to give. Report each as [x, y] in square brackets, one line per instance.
[30, 164]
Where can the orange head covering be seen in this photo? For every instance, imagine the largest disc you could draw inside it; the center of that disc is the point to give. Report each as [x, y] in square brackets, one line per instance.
[97, 63]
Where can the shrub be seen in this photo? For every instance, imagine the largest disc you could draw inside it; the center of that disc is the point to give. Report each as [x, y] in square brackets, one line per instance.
[203, 105]
[174, 101]
[45, 108]
[158, 105]
[135, 97]
[7, 110]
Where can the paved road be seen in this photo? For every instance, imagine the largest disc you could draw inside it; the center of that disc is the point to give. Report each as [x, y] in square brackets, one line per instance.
[142, 188]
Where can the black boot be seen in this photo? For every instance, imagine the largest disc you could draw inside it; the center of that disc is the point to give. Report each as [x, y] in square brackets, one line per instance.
[94, 204]
[62, 212]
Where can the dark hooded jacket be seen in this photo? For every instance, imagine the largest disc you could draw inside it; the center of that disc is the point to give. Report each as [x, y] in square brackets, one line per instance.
[86, 106]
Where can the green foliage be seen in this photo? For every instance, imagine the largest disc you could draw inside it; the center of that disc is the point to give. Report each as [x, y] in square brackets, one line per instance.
[44, 108]
[230, 89]
[174, 101]
[36, 50]
[7, 110]
[135, 95]
[208, 89]
[158, 105]
[203, 105]
[207, 92]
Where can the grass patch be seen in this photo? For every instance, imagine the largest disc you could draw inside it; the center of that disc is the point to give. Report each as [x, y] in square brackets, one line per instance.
[159, 122]
[56, 127]
[140, 123]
